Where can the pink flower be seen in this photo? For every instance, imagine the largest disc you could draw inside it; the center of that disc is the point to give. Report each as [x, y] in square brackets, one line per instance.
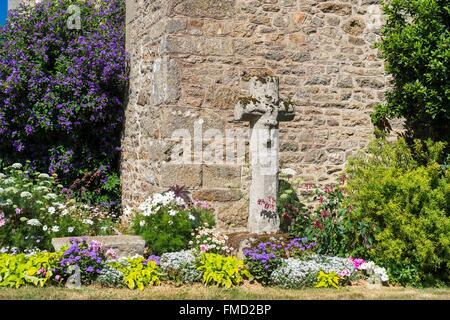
[57, 277]
[19, 211]
[111, 254]
[203, 248]
[2, 219]
[42, 272]
[201, 204]
[344, 273]
[357, 262]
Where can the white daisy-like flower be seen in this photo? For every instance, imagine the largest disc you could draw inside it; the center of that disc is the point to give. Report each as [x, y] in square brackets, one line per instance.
[64, 212]
[142, 223]
[70, 229]
[170, 222]
[191, 217]
[51, 210]
[44, 228]
[55, 229]
[34, 222]
[172, 213]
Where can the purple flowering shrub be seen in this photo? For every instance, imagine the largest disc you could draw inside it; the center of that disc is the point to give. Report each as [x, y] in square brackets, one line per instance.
[90, 258]
[263, 259]
[62, 92]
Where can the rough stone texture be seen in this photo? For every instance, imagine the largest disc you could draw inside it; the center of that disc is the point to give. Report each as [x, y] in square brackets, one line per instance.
[322, 51]
[124, 246]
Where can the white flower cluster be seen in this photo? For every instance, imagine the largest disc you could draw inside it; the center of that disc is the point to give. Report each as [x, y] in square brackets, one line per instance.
[373, 270]
[159, 200]
[296, 273]
[210, 240]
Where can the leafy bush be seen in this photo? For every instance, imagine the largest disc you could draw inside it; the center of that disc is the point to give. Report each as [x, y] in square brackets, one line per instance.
[222, 271]
[19, 270]
[180, 267]
[263, 259]
[415, 45]
[62, 92]
[407, 206]
[138, 272]
[327, 280]
[32, 211]
[167, 222]
[326, 222]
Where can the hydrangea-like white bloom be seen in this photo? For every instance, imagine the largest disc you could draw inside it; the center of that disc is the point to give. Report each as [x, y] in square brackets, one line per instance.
[43, 176]
[34, 222]
[288, 172]
[17, 166]
[25, 194]
[88, 221]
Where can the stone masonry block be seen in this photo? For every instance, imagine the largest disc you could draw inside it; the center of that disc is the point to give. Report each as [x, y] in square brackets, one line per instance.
[203, 8]
[221, 176]
[187, 175]
[201, 46]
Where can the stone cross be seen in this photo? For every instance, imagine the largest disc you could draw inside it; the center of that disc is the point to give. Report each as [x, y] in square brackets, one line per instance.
[264, 110]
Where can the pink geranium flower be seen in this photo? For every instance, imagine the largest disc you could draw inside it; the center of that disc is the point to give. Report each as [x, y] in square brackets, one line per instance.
[203, 248]
[357, 262]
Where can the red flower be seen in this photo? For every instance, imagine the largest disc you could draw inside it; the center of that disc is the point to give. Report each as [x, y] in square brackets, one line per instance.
[318, 225]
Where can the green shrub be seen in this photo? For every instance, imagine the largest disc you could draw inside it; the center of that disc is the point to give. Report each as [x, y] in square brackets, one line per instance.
[33, 211]
[138, 272]
[222, 271]
[167, 222]
[407, 206]
[416, 47]
[20, 270]
[326, 222]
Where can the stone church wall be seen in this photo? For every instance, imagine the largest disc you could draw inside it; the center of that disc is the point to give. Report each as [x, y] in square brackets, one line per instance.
[191, 59]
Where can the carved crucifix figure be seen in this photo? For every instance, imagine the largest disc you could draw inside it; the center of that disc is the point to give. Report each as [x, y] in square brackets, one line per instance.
[264, 110]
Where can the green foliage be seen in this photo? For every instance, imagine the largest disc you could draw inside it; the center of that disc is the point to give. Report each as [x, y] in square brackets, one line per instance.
[416, 47]
[33, 210]
[138, 273]
[327, 280]
[327, 222]
[222, 271]
[20, 270]
[289, 205]
[407, 206]
[167, 223]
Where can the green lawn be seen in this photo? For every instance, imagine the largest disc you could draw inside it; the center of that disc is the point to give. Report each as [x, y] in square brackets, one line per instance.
[245, 292]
